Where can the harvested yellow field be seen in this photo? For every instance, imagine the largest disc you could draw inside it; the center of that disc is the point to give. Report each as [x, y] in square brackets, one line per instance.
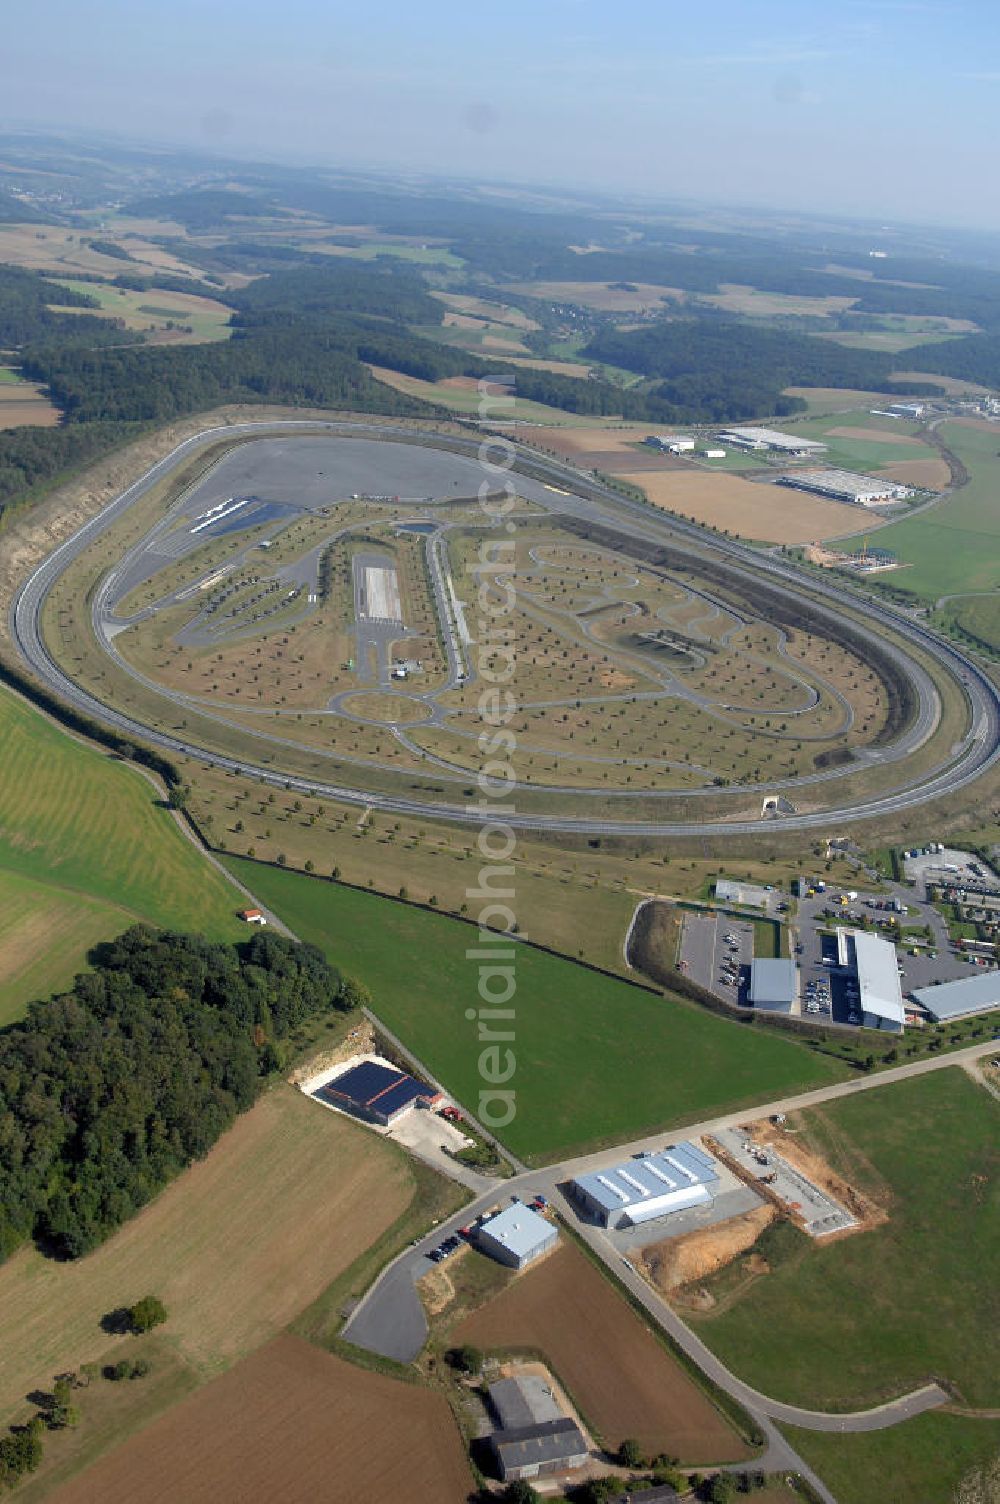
[638, 297]
[774, 514]
[737, 298]
[876, 436]
[482, 308]
[557, 367]
[22, 403]
[236, 1247]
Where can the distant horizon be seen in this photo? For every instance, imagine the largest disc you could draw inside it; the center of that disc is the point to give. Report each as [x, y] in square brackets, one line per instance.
[588, 196]
[880, 112]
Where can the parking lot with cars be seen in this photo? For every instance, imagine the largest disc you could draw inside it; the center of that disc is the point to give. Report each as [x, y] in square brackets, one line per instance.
[716, 951]
[923, 963]
[468, 1235]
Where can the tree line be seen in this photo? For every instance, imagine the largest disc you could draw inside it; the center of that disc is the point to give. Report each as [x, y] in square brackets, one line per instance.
[25, 313]
[721, 370]
[110, 1090]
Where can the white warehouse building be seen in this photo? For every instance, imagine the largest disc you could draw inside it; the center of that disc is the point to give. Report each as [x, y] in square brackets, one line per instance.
[648, 1186]
[961, 999]
[844, 485]
[769, 438]
[517, 1236]
[876, 970]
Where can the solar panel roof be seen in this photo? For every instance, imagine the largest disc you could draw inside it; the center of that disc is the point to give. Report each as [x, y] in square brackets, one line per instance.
[374, 1085]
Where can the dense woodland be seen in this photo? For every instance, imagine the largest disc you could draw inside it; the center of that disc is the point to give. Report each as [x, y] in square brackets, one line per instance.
[721, 370]
[32, 457]
[25, 314]
[109, 1091]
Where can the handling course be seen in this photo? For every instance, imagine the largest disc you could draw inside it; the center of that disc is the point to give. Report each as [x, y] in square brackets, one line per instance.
[290, 600]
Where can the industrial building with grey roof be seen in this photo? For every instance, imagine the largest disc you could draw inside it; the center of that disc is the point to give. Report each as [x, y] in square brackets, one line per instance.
[517, 1236]
[555, 1446]
[960, 999]
[773, 984]
[844, 485]
[874, 964]
[647, 1186]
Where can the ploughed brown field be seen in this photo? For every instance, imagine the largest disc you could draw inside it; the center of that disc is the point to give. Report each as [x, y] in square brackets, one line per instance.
[624, 1381]
[581, 443]
[289, 1423]
[930, 475]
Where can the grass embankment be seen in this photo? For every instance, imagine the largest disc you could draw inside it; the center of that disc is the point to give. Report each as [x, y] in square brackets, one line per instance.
[597, 1059]
[852, 1323]
[85, 851]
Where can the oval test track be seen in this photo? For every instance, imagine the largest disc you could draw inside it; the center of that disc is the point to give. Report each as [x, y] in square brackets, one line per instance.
[978, 751]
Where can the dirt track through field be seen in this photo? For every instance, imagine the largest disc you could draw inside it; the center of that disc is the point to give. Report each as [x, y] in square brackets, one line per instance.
[291, 1423]
[616, 1371]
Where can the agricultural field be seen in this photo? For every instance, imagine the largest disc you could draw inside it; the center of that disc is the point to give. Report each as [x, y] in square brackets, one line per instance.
[460, 394]
[86, 840]
[753, 303]
[928, 1458]
[605, 297]
[865, 1318]
[750, 509]
[56, 250]
[483, 337]
[236, 1248]
[24, 403]
[951, 548]
[291, 1422]
[581, 1076]
[485, 308]
[619, 1374]
[32, 914]
[163, 317]
[419, 255]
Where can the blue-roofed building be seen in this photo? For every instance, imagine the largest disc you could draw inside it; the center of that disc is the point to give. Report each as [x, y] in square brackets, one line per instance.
[648, 1186]
[960, 999]
[517, 1236]
[376, 1091]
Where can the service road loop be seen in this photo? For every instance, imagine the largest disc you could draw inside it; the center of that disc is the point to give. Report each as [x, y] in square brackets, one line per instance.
[583, 497]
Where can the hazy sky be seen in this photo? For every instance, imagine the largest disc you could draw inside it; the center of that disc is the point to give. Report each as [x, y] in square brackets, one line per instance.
[881, 107]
